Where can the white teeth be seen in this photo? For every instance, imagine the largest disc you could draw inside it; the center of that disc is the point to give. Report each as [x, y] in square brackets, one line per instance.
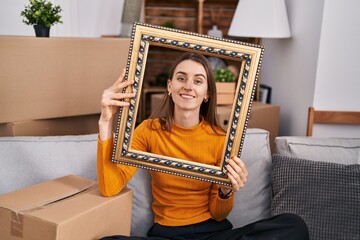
[186, 96]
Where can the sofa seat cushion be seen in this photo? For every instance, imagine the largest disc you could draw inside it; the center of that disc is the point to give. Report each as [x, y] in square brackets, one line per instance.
[326, 195]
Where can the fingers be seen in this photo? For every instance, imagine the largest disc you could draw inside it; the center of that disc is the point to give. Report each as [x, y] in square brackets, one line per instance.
[241, 164]
[115, 92]
[118, 95]
[114, 87]
[237, 173]
[120, 83]
[225, 189]
[110, 98]
[114, 97]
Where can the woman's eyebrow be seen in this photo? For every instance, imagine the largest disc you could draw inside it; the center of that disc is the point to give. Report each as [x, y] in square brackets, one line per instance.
[180, 72]
[201, 75]
[184, 73]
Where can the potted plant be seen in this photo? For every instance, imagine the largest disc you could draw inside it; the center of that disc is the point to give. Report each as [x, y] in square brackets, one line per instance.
[225, 86]
[169, 24]
[224, 75]
[42, 15]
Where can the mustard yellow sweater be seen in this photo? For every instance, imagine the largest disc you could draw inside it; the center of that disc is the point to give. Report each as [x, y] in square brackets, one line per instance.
[178, 201]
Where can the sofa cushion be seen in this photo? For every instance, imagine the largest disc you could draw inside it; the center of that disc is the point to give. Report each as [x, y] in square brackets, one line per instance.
[26, 161]
[326, 195]
[29, 160]
[335, 150]
[142, 214]
[252, 202]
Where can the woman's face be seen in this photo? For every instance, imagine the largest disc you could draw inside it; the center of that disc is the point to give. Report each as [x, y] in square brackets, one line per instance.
[189, 86]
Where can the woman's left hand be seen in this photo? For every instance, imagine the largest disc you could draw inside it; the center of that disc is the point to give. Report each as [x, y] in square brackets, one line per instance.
[237, 173]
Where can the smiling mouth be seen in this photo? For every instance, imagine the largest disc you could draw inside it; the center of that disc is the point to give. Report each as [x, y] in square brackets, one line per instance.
[186, 96]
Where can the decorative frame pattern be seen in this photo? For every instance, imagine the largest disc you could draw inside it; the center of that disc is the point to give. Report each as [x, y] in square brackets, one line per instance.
[249, 57]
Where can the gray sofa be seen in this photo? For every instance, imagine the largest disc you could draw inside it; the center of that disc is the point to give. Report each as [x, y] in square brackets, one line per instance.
[273, 185]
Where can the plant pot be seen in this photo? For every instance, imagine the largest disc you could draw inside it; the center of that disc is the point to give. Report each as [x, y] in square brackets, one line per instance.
[42, 31]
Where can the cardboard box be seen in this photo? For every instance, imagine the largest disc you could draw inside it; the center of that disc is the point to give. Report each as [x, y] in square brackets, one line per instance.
[264, 116]
[223, 116]
[43, 78]
[225, 99]
[225, 92]
[66, 208]
[87, 124]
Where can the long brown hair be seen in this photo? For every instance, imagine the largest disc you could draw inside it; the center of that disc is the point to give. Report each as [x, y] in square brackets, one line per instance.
[165, 112]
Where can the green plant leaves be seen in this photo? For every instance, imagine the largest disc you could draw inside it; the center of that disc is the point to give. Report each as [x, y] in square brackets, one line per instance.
[40, 12]
[224, 75]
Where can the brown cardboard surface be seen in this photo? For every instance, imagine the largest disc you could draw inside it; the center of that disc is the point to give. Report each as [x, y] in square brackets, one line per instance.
[46, 192]
[264, 116]
[87, 124]
[65, 208]
[225, 92]
[225, 98]
[44, 78]
[225, 87]
[223, 116]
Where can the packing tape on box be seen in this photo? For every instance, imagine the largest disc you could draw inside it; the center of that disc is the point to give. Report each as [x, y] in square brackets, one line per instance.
[17, 216]
[17, 223]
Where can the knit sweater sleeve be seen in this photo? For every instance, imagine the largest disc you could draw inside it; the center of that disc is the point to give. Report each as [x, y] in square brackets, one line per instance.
[219, 208]
[112, 177]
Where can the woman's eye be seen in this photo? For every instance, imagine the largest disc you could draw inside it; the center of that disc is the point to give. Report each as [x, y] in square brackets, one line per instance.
[197, 82]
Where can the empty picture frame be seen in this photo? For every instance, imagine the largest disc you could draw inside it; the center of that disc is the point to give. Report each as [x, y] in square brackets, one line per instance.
[249, 57]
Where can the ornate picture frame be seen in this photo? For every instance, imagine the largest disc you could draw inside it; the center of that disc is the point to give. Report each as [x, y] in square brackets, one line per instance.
[249, 57]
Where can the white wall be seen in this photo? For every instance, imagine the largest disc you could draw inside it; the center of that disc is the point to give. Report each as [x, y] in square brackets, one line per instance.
[82, 18]
[289, 65]
[338, 72]
[317, 67]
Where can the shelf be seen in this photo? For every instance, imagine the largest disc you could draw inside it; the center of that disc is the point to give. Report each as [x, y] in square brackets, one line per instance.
[193, 16]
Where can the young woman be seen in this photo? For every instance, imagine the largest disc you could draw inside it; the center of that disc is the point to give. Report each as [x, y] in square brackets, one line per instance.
[185, 127]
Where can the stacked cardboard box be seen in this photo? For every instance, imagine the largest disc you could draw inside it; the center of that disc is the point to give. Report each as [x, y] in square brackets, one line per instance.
[87, 124]
[66, 208]
[53, 79]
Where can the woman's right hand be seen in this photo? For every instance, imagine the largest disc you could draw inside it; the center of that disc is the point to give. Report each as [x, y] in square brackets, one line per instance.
[112, 99]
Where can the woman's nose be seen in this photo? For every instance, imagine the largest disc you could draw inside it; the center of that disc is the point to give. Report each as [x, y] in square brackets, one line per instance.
[188, 85]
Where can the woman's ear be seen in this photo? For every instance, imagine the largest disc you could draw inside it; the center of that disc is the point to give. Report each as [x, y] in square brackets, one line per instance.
[169, 85]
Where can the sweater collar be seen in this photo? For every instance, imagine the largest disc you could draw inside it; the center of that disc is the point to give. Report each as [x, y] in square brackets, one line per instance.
[201, 125]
